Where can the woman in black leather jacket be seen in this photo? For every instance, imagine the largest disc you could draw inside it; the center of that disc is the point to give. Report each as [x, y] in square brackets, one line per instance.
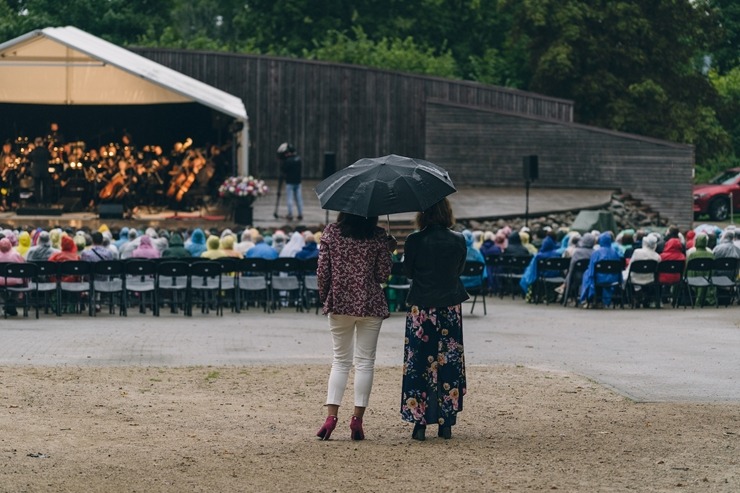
[434, 365]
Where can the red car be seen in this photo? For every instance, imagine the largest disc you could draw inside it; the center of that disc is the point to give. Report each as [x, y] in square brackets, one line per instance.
[715, 197]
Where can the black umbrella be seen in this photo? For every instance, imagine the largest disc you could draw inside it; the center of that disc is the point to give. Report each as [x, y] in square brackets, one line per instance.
[385, 185]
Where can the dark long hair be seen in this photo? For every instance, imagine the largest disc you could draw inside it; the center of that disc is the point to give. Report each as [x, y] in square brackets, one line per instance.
[440, 214]
[357, 227]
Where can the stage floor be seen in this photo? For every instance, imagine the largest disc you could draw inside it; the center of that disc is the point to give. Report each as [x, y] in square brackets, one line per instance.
[467, 203]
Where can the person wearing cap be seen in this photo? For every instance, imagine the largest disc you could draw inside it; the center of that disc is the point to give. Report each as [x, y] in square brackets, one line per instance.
[290, 169]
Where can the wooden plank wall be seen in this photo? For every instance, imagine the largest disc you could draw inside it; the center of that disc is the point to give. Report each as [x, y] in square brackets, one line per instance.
[350, 110]
[486, 147]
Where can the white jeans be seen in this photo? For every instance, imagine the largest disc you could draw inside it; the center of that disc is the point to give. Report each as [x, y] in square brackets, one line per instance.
[343, 329]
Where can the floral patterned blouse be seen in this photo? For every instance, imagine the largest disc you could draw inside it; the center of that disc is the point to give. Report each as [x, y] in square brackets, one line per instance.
[351, 272]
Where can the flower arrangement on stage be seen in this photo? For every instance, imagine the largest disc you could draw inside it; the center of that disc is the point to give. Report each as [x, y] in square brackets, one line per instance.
[242, 187]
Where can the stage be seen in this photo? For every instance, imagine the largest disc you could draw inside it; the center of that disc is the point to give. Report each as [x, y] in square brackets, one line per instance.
[467, 202]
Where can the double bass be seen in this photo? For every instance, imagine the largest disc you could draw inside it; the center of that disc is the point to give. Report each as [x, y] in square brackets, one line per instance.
[118, 186]
[184, 181]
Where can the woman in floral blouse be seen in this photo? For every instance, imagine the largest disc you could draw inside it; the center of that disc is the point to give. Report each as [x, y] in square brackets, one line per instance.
[434, 364]
[354, 259]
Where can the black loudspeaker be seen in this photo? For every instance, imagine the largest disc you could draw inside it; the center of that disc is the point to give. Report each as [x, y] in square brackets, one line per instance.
[531, 168]
[110, 211]
[330, 164]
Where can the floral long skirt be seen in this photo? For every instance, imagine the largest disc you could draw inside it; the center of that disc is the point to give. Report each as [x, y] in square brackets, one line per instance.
[433, 366]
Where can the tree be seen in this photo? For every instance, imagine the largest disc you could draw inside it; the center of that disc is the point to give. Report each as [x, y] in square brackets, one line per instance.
[629, 65]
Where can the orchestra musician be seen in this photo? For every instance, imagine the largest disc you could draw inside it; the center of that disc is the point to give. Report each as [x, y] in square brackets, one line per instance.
[40, 161]
[51, 168]
[7, 172]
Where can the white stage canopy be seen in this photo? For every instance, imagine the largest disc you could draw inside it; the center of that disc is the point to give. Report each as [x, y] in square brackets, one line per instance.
[67, 66]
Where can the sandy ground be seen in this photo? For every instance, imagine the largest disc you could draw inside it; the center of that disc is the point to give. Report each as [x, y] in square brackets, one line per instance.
[252, 429]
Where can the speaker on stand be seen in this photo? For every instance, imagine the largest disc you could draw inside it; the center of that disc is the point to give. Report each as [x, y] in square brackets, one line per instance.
[531, 171]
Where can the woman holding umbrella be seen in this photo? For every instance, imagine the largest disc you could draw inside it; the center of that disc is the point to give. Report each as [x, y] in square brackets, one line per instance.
[354, 260]
[434, 366]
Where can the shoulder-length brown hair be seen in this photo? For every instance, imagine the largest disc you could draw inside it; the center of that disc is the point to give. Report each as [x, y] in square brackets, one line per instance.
[357, 227]
[440, 214]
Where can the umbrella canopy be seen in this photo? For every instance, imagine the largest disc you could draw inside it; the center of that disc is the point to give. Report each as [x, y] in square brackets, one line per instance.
[385, 185]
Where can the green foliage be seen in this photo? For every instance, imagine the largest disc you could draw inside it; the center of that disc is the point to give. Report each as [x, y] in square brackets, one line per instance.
[637, 66]
[629, 65]
[392, 54]
[714, 166]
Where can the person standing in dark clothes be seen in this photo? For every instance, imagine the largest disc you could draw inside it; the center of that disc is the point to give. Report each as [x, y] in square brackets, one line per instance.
[434, 381]
[40, 158]
[291, 170]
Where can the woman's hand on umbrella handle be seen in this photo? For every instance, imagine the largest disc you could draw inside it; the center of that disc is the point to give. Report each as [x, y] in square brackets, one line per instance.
[391, 242]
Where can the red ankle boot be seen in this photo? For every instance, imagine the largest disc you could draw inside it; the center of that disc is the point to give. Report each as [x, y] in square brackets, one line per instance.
[329, 425]
[356, 426]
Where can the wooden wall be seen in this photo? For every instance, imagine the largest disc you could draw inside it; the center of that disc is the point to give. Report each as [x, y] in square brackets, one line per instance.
[486, 147]
[350, 110]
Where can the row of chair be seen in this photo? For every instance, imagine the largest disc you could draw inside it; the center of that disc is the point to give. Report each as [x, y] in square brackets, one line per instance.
[75, 286]
[645, 277]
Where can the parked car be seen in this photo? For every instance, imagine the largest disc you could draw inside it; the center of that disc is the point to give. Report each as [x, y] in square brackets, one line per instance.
[714, 198]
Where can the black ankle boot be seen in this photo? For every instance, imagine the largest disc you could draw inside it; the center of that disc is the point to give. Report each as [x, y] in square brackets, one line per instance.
[445, 432]
[419, 432]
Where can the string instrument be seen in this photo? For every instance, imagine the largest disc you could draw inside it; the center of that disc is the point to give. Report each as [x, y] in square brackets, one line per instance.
[113, 187]
[198, 162]
[117, 187]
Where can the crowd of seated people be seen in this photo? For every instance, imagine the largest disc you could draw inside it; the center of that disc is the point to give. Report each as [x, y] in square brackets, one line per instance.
[595, 246]
[65, 244]
[60, 245]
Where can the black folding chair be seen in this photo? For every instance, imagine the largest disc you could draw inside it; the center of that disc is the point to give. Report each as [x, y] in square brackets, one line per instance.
[573, 280]
[696, 279]
[140, 280]
[45, 284]
[23, 273]
[475, 270]
[551, 273]
[636, 288]
[254, 275]
[675, 267]
[229, 282]
[495, 267]
[400, 284]
[310, 284]
[514, 267]
[724, 279]
[108, 279]
[285, 285]
[74, 281]
[613, 268]
[173, 282]
[205, 285]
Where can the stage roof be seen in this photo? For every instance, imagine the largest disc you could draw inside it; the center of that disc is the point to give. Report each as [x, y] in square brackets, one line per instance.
[67, 66]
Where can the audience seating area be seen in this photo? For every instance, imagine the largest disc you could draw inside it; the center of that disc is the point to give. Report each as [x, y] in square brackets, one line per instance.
[208, 286]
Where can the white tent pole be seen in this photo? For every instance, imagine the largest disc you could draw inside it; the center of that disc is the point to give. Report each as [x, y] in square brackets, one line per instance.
[244, 149]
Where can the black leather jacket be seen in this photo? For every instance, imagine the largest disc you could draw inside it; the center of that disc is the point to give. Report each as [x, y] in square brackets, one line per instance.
[434, 258]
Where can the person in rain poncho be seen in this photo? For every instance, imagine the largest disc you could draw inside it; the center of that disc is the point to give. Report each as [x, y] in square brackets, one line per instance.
[196, 245]
[294, 245]
[590, 278]
[704, 295]
[176, 248]
[549, 249]
[473, 255]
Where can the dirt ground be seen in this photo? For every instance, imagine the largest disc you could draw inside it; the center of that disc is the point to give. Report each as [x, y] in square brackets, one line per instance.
[249, 429]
